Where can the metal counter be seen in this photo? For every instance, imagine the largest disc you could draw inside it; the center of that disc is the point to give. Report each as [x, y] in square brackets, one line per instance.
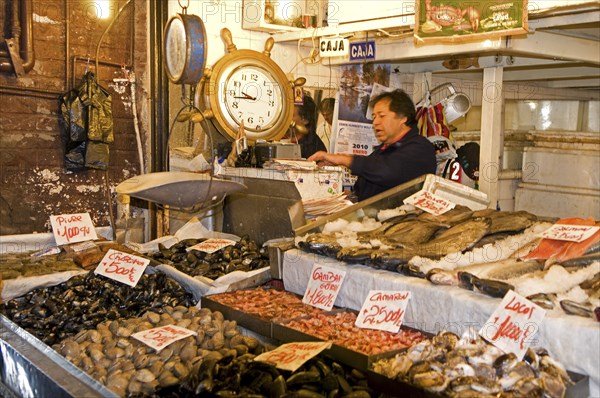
[29, 368]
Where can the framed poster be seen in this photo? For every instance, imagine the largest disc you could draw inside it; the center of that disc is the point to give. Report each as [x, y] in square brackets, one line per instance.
[442, 21]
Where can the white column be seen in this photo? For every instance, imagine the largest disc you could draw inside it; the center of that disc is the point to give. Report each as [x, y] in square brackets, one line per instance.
[492, 133]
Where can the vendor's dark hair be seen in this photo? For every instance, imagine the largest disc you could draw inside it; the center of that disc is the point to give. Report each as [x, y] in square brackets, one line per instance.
[308, 112]
[400, 103]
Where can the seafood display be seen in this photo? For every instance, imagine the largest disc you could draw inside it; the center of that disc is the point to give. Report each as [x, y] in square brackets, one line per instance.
[245, 255]
[470, 367]
[395, 241]
[241, 376]
[486, 251]
[339, 328]
[268, 304]
[57, 312]
[130, 368]
[15, 265]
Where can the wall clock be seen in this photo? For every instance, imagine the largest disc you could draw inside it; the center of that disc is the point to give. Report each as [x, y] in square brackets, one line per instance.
[246, 86]
[184, 49]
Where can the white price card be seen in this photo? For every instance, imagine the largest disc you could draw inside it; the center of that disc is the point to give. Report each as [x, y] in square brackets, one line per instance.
[293, 355]
[429, 202]
[212, 245]
[323, 286]
[514, 324]
[122, 267]
[70, 228]
[160, 337]
[383, 310]
[572, 233]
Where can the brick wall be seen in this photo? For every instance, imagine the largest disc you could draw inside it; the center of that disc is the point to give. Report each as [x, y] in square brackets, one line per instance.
[34, 182]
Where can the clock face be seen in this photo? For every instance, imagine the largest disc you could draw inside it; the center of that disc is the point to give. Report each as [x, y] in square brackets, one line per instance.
[175, 44]
[252, 95]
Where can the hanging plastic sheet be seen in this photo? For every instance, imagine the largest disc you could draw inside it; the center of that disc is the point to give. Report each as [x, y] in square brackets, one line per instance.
[88, 124]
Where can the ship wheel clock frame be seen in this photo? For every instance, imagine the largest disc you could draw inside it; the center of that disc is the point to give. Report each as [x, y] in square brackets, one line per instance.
[246, 87]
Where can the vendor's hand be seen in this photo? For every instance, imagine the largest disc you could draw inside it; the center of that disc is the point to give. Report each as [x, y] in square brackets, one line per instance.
[321, 158]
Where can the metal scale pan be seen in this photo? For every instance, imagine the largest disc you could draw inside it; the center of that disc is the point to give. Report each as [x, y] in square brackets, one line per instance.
[178, 189]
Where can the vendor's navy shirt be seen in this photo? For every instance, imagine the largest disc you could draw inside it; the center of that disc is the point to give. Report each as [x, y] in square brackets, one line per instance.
[410, 157]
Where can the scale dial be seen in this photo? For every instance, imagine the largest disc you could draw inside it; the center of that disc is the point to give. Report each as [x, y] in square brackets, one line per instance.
[184, 49]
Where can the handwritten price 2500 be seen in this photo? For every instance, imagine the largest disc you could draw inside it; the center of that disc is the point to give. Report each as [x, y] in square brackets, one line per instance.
[71, 232]
[378, 315]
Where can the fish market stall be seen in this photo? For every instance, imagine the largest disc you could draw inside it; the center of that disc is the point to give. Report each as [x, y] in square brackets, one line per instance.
[455, 283]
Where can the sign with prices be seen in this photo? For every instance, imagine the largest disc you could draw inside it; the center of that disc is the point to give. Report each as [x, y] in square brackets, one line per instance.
[323, 286]
[160, 337]
[571, 233]
[514, 324]
[293, 355]
[122, 267]
[429, 202]
[212, 245]
[70, 228]
[383, 310]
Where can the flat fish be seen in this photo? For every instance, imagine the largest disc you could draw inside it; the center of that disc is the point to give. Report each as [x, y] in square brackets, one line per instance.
[414, 232]
[548, 248]
[456, 239]
[510, 221]
[450, 218]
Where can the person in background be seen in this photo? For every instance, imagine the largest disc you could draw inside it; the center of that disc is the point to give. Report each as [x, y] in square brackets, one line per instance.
[326, 108]
[402, 156]
[305, 117]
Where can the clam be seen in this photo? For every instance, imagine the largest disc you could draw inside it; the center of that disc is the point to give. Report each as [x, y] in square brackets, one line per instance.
[144, 375]
[167, 379]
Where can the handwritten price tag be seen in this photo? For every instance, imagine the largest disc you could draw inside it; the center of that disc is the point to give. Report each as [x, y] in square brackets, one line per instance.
[514, 324]
[383, 310]
[212, 245]
[429, 202]
[70, 228]
[122, 267]
[572, 233]
[293, 355]
[159, 338]
[323, 286]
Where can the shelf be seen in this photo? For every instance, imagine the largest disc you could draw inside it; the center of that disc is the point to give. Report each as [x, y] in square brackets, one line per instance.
[404, 22]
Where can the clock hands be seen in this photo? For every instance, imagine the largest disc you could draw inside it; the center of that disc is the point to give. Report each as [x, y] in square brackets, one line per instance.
[246, 96]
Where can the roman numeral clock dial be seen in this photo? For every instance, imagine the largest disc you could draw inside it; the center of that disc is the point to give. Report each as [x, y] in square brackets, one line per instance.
[246, 86]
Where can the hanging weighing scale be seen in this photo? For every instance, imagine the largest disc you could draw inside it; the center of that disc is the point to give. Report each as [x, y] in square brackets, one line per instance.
[184, 61]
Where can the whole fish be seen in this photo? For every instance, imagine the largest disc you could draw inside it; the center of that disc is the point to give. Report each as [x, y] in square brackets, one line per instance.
[498, 270]
[582, 261]
[416, 232]
[450, 218]
[456, 239]
[510, 221]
